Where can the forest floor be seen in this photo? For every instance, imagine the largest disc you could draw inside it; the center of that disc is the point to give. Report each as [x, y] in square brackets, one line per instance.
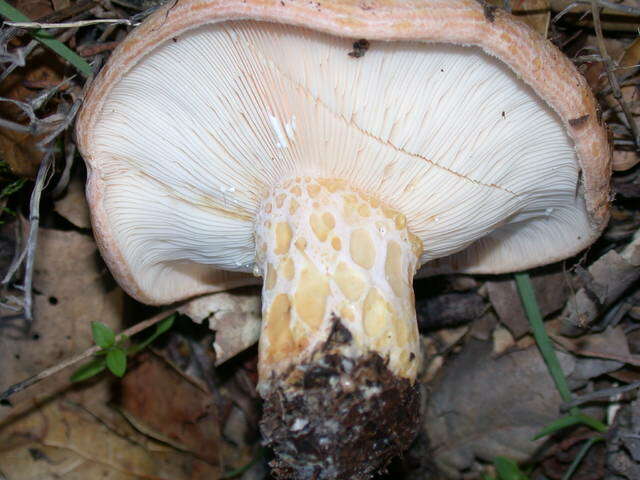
[182, 411]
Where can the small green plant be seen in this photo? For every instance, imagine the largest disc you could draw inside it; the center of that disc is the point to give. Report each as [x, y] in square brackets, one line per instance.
[114, 351]
[506, 469]
[8, 190]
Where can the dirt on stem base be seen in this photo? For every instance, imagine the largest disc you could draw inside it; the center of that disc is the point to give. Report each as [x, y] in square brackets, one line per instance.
[335, 417]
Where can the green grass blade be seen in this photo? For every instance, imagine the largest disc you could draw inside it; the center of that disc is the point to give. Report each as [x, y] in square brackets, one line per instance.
[527, 294]
[47, 39]
[569, 421]
[581, 454]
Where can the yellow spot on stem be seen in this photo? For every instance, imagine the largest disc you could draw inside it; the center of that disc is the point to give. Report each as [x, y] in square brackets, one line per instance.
[283, 238]
[287, 268]
[393, 267]
[361, 248]
[311, 296]
[272, 277]
[350, 282]
[281, 343]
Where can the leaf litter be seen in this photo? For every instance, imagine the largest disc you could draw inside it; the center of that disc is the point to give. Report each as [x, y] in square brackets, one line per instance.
[187, 408]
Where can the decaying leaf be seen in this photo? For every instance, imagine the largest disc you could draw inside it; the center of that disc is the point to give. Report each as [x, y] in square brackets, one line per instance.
[63, 440]
[234, 317]
[72, 289]
[163, 404]
[19, 149]
[483, 406]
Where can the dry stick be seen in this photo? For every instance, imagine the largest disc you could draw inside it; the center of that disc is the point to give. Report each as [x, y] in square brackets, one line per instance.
[613, 79]
[597, 395]
[32, 239]
[615, 7]
[138, 327]
[82, 23]
[18, 256]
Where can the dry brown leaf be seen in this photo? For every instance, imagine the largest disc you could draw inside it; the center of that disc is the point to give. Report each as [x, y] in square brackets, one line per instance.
[73, 288]
[34, 8]
[482, 328]
[551, 292]
[610, 344]
[19, 149]
[73, 206]
[40, 462]
[481, 406]
[66, 432]
[234, 317]
[502, 341]
[448, 337]
[163, 404]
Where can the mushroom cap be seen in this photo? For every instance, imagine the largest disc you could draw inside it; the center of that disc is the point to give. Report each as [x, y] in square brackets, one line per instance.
[485, 216]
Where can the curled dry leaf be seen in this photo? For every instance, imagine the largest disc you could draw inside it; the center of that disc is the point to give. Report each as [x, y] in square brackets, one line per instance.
[234, 317]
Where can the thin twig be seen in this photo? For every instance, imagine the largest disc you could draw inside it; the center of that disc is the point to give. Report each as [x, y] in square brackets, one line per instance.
[610, 67]
[138, 327]
[16, 127]
[18, 254]
[69, 155]
[598, 395]
[32, 239]
[83, 23]
[616, 7]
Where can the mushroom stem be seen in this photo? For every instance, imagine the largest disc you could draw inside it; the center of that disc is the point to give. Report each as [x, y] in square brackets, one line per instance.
[339, 344]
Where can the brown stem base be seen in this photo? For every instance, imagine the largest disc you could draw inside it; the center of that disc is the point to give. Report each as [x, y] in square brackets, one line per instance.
[335, 417]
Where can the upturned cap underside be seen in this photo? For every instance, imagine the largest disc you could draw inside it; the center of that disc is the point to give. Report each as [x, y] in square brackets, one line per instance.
[459, 116]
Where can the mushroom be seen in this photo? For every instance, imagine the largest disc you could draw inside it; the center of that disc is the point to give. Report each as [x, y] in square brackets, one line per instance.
[231, 137]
